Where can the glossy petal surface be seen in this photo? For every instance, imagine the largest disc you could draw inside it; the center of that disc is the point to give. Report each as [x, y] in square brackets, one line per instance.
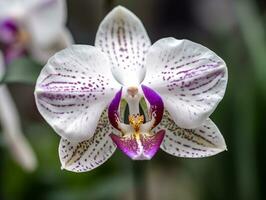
[203, 141]
[89, 154]
[190, 78]
[123, 38]
[73, 89]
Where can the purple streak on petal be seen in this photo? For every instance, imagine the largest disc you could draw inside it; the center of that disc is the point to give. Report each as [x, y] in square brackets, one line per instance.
[128, 146]
[113, 109]
[8, 31]
[156, 103]
[152, 144]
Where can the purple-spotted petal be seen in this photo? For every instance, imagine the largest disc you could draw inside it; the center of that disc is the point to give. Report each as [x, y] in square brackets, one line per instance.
[206, 140]
[123, 37]
[89, 154]
[156, 103]
[113, 113]
[190, 78]
[73, 89]
[143, 148]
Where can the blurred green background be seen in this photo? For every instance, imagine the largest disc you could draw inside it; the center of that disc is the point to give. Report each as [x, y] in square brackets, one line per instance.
[235, 30]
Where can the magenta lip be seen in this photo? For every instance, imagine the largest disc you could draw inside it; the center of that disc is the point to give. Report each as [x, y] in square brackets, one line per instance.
[136, 151]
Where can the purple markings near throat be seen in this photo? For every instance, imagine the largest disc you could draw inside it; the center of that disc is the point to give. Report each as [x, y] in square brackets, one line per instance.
[113, 109]
[138, 144]
[156, 103]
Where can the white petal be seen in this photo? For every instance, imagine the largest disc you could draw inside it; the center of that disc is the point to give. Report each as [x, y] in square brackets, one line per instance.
[123, 37]
[10, 122]
[203, 141]
[89, 154]
[73, 89]
[45, 20]
[190, 78]
[42, 54]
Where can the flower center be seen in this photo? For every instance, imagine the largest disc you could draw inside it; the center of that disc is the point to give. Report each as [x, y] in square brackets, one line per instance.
[136, 138]
[135, 121]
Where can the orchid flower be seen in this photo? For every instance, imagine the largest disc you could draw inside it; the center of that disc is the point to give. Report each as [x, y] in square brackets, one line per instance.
[11, 128]
[170, 89]
[35, 27]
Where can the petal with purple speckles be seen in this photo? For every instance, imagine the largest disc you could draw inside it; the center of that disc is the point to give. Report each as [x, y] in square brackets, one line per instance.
[206, 140]
[123, 37]
[89, 154]
[73, 89]
[190, 78]
[143, 148]
[156, 104]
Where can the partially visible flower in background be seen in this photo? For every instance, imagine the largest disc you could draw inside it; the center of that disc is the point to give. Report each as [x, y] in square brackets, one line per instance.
[35, 28]
[83, 93]
[11, 128]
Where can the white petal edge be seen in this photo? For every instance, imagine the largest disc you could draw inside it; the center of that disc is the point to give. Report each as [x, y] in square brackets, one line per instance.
[204, 141]
[9, 118]
[45, 20]
[122, 36]
[190, 78]
[42, 54]
[87, 155]
[73, 89]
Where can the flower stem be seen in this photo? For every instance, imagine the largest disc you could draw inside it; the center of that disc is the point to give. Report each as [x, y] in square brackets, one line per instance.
[140, 179]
